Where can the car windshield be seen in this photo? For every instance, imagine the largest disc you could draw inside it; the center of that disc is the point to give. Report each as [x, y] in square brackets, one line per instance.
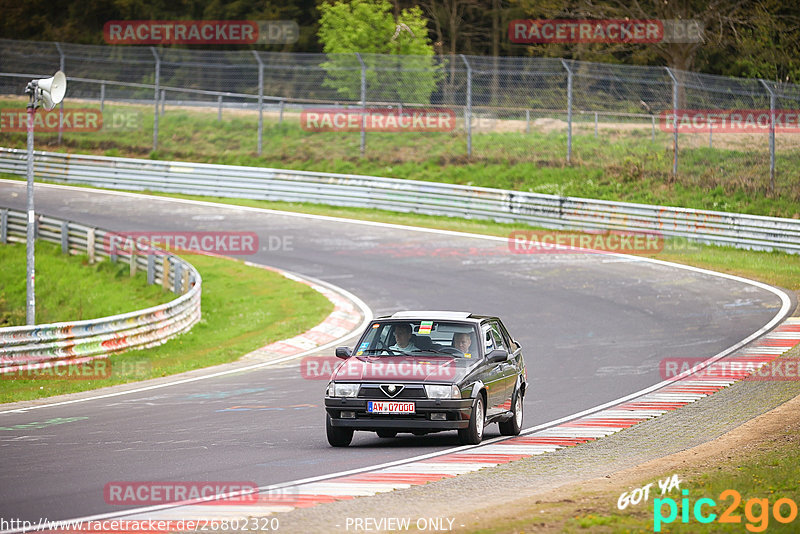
[419, 337]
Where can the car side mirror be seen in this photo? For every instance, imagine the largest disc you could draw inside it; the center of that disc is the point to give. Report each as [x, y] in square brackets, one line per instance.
[343, 352]
[498, 355]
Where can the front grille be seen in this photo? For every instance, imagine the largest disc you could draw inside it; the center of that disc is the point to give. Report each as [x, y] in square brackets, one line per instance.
[374, 391]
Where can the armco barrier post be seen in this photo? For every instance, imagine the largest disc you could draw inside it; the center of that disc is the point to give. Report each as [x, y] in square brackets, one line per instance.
[165, 272]
[468, 106]
[90, 244]
[771, 136]
[4, 226]
[176, 285]
[151, 269]
[569, 110]
[65, 237]
[260, 100]
[132, 260]
[155, 96]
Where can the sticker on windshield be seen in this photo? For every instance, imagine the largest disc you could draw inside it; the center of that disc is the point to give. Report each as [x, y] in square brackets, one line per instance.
[425, 327]
[376, 325]
[359, 353]
[364, 345]
[468, 355]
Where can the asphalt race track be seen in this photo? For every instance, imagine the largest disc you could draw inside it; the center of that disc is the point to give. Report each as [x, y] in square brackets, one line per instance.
[593, 327]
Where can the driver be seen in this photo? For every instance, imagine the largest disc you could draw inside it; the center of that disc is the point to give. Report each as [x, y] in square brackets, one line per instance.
[462, 341]
[402, 335]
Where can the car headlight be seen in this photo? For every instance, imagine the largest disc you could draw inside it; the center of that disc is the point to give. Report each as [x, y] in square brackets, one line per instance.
[342, 390]
[442, 392]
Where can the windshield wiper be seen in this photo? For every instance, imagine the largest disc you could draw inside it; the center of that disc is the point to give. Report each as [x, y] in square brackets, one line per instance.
[390, 351]
[431, 350]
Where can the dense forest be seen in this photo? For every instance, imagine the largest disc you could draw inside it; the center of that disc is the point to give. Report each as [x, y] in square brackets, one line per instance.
[747, 38]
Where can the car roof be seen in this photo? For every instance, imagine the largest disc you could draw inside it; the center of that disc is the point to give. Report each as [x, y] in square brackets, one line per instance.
[437, 315]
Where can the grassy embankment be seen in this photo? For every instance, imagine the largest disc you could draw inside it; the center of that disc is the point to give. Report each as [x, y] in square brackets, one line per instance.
[243, 308]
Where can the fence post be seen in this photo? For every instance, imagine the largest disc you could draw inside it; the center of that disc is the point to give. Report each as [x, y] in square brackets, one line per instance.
[151, 269]
[569, 110]
[260, 100]
[61, 105]
[710, 135]
[527, 121]
[102, 95]
[595, 125]
[219, 111]
[163, 101]
[280, 114]
[674, 122]
[771, 136]
[65, 237]
[4, 226]
[90, 244]
[363, 104]
[468, 106]
[653, 131]
[133, 262]
[155, 97]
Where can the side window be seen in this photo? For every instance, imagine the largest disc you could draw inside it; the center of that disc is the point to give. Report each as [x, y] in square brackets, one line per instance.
[497, 336]
[488, 341]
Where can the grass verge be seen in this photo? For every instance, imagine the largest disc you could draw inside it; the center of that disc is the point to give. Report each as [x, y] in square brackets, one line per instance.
[621, 164]
[243, 308]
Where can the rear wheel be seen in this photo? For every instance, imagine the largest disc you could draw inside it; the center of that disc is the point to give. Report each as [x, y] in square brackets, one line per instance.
[337, 437]
[386, 433]
[513, 425]
[473, 434]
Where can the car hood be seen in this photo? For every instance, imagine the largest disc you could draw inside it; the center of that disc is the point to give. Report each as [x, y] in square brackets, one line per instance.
[403, 369]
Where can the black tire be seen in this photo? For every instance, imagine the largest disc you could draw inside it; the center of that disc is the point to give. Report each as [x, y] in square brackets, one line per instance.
[386, 433]
[473, 434]
[513, 425]
[337, 437]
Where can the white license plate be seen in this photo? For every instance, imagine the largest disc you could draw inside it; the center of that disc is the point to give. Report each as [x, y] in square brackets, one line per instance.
[390, 407]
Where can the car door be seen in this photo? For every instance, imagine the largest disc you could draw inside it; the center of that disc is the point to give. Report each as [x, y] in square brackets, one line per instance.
[507, 372]
[493, 376]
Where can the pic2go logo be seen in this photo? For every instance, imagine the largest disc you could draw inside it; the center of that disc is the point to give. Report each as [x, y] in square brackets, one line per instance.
[756, 511]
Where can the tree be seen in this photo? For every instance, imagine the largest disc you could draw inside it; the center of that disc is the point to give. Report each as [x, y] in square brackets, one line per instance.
[370, 28]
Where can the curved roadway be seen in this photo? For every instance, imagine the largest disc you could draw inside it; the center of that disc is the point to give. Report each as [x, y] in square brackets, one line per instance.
[593, 328]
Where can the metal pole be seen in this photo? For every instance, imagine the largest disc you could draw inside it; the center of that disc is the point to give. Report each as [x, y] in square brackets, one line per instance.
[163, 101]
[710, 135]
[771, 136]
[280, 114]
[363, 104]
[155, 97]
[653, 132]
[468, 106]
[30, 304]
[595, 125]
[219, 111]
[569, 111]
[61, 105]
[674, 122]
[260, 100]
[102, 95]
[527, 121]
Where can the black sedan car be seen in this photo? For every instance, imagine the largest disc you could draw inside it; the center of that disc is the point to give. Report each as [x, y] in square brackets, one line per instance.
[427, 371]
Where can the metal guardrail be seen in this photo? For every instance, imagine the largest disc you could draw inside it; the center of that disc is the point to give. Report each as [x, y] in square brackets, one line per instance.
[80, 341]
[549, 211]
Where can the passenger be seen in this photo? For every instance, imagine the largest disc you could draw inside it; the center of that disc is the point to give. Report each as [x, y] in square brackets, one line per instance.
[402, 335]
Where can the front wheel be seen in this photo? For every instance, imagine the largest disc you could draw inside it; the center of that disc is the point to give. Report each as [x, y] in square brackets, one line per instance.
[337, 437]
[513, 426]
[473, 434]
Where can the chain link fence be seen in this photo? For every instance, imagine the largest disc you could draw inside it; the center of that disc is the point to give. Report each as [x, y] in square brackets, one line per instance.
[546, 111]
